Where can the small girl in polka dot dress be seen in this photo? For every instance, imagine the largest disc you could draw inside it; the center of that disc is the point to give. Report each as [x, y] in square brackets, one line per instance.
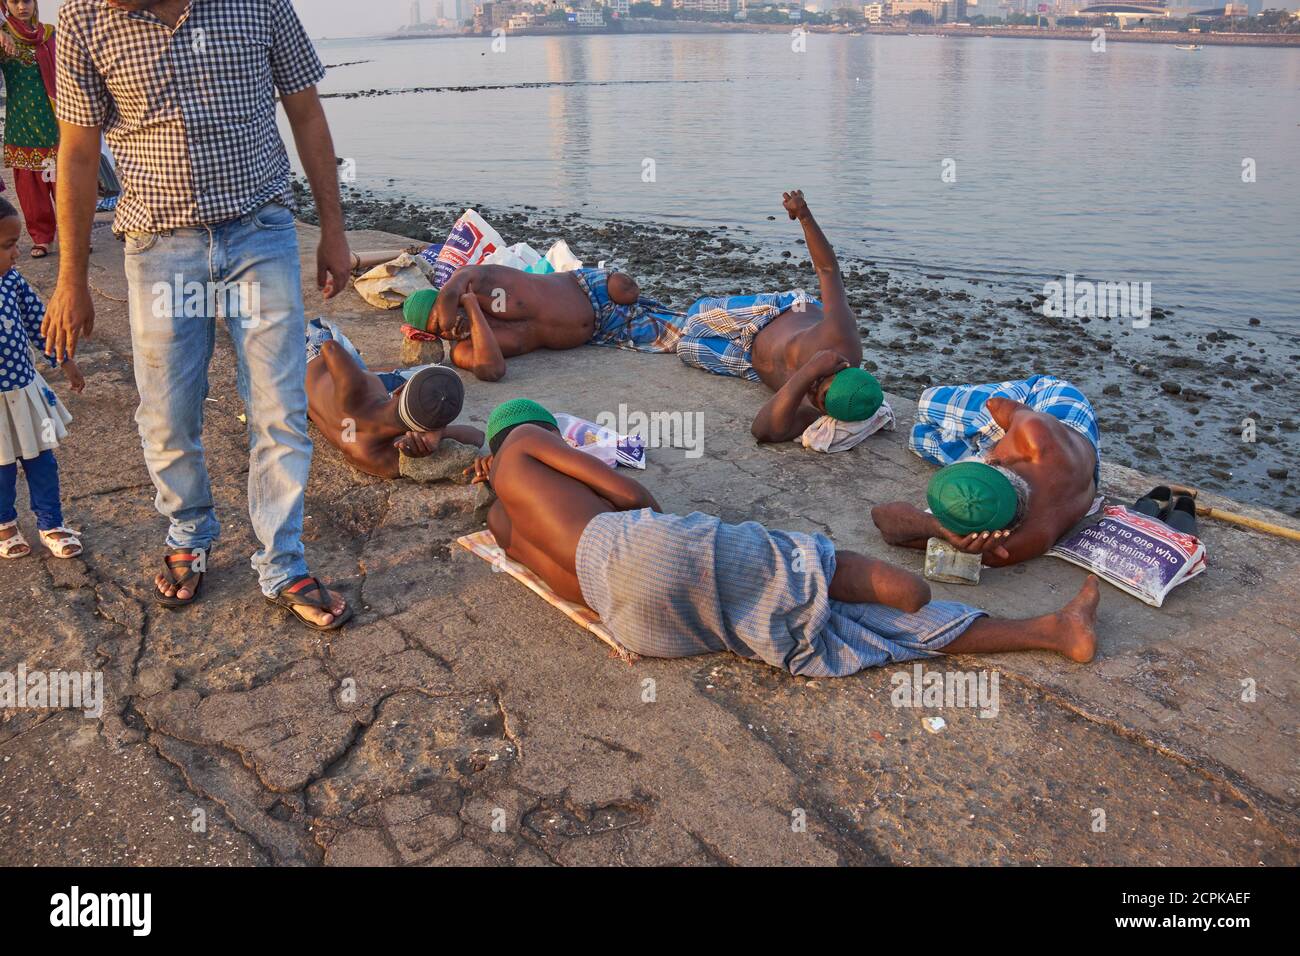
[32, 419]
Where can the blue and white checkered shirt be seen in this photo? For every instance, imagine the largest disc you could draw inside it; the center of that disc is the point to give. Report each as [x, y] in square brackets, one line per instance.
[188, 111]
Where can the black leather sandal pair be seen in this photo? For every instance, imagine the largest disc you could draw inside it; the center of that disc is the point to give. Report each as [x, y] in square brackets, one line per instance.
[1176, 510]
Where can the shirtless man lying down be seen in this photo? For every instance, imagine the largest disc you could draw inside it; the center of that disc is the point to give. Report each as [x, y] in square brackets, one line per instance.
[672, 586]
[1021, 468]
[492, 313]
[374, 418]
[806, 351]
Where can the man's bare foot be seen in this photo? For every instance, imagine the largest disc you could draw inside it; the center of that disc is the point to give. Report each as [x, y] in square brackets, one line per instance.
[903, 525]
[1077, 623]
[169, 589]
[182, 575]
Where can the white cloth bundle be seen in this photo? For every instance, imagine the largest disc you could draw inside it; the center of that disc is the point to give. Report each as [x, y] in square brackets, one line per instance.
[387, 285]
[831, 435]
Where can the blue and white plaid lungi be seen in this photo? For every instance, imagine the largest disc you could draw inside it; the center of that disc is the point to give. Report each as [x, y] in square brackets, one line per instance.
[719, 332]
[674, 586]
[953, 422]
[644, 326]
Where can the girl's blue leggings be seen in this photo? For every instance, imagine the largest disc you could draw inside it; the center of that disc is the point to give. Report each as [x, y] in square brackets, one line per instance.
[43, 483]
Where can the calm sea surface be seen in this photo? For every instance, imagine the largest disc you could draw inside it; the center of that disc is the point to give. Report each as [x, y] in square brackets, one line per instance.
[1116, 166]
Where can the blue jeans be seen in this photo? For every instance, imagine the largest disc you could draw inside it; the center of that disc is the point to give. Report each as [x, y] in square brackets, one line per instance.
[43, 484]
[246, 272]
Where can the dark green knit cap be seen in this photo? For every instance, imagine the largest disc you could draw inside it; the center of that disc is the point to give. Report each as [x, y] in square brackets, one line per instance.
[971, 496]
[418, 307]
[854, 395]
[517, 411]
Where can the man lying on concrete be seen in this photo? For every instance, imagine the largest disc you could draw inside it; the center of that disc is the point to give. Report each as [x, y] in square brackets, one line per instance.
[493, 313]
[1022, 467]
[673, 586]
[375, 418]
[804, 350]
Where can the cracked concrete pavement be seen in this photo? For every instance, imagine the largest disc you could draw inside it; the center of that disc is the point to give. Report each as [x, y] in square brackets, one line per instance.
[459, 720]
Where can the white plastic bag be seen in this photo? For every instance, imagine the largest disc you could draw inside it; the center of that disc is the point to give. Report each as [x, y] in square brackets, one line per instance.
[562, 258]
[519, 256]
[601, 442]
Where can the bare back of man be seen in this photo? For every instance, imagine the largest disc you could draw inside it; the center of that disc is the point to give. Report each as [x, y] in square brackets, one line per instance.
[1057, 462]
[547, 494]
[493, 313]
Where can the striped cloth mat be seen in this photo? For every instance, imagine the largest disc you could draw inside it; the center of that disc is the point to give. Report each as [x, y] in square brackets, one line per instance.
[484, 544]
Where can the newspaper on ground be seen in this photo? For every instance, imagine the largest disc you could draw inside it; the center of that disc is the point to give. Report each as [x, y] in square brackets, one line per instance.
[1136, 553]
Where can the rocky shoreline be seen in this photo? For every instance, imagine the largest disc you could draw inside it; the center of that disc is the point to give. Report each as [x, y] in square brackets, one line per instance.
[1175, 401]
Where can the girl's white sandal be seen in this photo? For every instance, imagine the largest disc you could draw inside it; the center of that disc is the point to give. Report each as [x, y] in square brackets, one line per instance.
[57, 546]
[9, 545]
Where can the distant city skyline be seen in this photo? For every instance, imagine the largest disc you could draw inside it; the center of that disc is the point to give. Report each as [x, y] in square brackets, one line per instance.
[338, 18]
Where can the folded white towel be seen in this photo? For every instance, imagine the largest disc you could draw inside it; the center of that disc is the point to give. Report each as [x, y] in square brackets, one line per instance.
[830, 434]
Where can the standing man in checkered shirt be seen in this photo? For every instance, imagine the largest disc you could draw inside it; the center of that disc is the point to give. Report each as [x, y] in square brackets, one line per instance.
[185, 90]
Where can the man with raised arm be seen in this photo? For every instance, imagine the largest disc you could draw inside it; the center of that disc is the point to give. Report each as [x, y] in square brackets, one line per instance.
[805, 350]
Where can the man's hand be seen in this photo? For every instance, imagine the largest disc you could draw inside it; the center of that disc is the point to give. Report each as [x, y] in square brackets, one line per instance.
[827, 362]
[72, 372]
[69, 316]
[418, 444]
[333, 263]
[979, 542]
[794, 204]
[480, 471]
[458, 330]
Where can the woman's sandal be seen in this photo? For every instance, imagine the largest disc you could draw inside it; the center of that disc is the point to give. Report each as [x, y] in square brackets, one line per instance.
[39, 251]
[182, 558]
[308, 591]
[16, 542]
[59, 546]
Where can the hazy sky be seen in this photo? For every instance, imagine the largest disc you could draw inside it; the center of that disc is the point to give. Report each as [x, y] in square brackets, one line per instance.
[330, 17]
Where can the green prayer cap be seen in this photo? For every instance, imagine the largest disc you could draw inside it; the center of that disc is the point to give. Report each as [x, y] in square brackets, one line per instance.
[418, 307]
[854, 395]
[517, 411]
[971, 496]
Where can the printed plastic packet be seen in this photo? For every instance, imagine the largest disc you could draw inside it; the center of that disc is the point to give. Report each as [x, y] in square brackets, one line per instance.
[601, 442]
[1137, 554]
[470, 241]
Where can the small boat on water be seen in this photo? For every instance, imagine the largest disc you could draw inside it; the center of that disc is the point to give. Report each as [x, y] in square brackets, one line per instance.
[1190, 47]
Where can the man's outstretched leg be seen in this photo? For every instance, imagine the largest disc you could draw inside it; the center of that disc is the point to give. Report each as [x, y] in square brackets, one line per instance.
[1069, 632]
